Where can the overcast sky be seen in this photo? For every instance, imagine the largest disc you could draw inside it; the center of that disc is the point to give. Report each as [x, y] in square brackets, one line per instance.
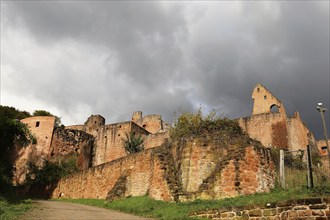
[77, 58]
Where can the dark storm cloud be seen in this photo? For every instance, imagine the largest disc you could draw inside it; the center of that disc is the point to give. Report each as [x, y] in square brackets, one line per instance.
[114, 57]
[287, 51]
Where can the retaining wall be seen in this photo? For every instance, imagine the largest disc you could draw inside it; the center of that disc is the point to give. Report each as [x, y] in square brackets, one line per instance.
[309, 209]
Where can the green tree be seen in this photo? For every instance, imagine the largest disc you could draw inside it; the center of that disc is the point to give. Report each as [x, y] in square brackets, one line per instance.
[51, 171]
[133, 143]
[13, 113]
[42, 113]
[46, 113]
[12, 133]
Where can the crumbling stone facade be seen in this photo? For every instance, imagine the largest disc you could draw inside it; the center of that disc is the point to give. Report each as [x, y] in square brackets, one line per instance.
[108, 143]
[72, 143]
[270, 125]
[198, 168]
[92, 144]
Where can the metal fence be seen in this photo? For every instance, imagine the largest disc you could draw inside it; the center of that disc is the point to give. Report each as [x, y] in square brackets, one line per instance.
[303, 168]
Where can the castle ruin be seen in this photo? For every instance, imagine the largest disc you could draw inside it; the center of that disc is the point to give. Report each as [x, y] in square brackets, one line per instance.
[198, 168]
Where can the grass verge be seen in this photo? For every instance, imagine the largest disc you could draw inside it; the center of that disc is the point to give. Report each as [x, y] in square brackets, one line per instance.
[13, 207]
[144, 206]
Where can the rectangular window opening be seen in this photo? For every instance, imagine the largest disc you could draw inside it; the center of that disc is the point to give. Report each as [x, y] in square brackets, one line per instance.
[37, 123]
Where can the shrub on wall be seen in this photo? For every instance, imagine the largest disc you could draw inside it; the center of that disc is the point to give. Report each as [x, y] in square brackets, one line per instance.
[195, 124]
[133, 143]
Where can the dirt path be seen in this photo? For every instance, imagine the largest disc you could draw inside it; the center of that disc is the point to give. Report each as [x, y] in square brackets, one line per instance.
[63, 210]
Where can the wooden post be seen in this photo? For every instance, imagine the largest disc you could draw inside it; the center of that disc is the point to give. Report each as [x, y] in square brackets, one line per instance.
[310, 183]
[282, 174]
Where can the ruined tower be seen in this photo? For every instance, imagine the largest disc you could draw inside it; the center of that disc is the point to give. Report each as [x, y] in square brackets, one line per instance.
[265, 101]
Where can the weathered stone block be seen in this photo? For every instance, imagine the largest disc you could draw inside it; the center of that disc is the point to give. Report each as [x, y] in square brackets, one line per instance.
[304, 213]
[269, 212]
[318, 206]
[255, 213]
[318, 213]
[292, 214]
[300, 207]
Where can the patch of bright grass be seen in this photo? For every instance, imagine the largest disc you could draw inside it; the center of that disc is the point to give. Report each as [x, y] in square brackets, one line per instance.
[144, 206]
[11, 209]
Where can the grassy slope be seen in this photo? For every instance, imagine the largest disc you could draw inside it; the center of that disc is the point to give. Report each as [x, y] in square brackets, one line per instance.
[147, 207]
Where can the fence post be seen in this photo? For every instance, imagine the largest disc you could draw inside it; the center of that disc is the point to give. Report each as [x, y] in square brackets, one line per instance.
[309, 168]
[282, 174]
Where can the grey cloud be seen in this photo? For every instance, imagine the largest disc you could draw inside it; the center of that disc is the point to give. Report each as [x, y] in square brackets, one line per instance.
[141, 49]
[289, 54]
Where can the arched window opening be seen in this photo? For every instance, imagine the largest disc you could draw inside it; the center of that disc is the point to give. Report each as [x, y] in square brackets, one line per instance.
[274, 109]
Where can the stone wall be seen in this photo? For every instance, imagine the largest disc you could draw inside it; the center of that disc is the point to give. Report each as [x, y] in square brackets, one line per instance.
[140, 170]
[109, 141]
[265, 128]
[151, 123]
[67, 142]
[109, 138]
[299, 135]
[272, 130]
[201, 168]
[42, 128]
[155, 140]
[210, 169]
[311, 209]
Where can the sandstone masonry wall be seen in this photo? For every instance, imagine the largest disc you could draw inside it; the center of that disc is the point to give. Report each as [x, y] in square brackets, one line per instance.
[155, 140]
[272, 130]
[199, 168]
[210, 169]
[67, 142]
[299, 135]
[151, 123]
[108, 144]
[109, 141]
[98, 181]
[311, 209]
[266, 128]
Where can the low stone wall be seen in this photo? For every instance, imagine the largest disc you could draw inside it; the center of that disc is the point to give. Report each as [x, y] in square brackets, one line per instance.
[309, 209]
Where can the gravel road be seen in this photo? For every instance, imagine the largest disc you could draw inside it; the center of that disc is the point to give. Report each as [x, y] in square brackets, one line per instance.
[63, 210]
